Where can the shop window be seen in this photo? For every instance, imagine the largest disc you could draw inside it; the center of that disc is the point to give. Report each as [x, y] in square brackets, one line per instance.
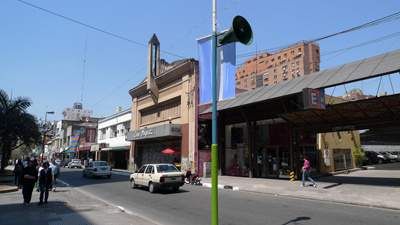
[236, 150]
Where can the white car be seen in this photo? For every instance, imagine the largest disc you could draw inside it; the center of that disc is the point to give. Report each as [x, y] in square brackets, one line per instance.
[75, 163]
[97, 169]
[157, 176]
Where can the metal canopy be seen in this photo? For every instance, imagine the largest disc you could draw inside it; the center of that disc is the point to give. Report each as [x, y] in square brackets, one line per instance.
[363, 69]
[357, 115]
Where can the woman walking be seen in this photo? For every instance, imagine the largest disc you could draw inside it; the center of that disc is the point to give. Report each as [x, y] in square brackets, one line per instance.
[306, 172]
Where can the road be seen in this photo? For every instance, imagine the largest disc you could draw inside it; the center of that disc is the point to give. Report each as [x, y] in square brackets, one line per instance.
[192, 205]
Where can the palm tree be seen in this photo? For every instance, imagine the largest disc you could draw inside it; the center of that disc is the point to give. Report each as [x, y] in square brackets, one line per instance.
[17, 126]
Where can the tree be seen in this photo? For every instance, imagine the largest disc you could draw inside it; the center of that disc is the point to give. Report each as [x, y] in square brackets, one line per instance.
[17, 126]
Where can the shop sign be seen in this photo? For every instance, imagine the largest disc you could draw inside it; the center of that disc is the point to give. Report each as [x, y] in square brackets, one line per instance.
[166, 130]
[313, 99]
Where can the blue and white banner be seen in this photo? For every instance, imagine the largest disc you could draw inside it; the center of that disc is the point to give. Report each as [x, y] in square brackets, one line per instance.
[226, 69]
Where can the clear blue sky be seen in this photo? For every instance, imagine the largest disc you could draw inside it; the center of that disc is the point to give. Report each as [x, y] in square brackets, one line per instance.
[42, 55]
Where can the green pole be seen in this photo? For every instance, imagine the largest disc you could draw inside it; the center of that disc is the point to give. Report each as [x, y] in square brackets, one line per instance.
[214, 147]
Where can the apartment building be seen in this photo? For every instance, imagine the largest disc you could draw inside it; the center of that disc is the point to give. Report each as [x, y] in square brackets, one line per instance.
[265, 69]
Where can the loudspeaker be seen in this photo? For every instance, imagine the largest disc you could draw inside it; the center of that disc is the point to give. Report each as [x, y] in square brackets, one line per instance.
[240, 31]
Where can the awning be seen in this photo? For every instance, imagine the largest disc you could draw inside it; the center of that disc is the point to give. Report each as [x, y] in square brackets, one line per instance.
[116, 148]
[65, 151]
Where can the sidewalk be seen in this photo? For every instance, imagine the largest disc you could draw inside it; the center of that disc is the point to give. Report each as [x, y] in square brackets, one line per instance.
[356, 188]
[66, 206]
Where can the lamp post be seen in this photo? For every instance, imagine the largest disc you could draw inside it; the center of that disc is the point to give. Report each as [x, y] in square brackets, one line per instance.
[44, 135]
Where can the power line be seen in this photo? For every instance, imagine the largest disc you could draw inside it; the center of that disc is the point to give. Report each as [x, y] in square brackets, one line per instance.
[382, 20]
[94, 28]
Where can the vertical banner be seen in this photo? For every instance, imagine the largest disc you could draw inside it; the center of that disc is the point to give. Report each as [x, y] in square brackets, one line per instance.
[226, 69]
[74, 143]
[91, 135]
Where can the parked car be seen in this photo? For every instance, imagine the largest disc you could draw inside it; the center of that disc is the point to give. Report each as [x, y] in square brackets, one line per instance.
[66, 161]
[75, 163]
[383, 158]
[396, 154]
[391, 158]
[157, 176]
[96, 169]
[371, 157]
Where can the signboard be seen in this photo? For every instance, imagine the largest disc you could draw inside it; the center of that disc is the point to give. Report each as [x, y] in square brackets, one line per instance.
[327, 157]
[94, 148]
[313, 99]
[166, 130]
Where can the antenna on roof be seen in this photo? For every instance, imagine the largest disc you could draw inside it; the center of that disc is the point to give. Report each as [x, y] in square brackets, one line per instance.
[84, 65]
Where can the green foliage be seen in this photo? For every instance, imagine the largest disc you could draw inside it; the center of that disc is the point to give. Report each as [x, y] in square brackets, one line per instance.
[358, 155]
[17, 126]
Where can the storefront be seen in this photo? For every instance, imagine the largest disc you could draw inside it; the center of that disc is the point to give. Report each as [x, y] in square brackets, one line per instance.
[271, 157]
[117, 157]
[150, 142]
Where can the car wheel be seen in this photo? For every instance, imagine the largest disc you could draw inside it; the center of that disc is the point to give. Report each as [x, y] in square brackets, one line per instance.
[175, 189]
[133, 184]
[84, 175]
[109, 176]
[380, 161]
[152, 189]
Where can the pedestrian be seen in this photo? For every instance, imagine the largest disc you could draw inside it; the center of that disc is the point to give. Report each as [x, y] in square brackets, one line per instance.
[25, 163]
[306, 172]
[37, 185]
[28, 178]
[46, 180]
[90, 160]
[17, 172]
[56, 171]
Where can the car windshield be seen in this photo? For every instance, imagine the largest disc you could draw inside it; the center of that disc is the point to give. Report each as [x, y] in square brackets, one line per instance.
[100, 164]
[166, 168]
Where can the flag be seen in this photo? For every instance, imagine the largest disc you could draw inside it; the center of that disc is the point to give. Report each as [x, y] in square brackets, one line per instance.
[74, 143]
[226, 69]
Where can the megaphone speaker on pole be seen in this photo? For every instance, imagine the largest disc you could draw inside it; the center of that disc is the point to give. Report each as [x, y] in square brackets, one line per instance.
[240, 31]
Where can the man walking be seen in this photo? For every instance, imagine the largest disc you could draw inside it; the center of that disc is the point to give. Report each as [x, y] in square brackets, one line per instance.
[46, 179]
[28, 179]
[56, 171]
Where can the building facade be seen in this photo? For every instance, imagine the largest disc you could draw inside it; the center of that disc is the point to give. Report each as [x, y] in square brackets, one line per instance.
[163, 112]
[265, 69]
[112, 133]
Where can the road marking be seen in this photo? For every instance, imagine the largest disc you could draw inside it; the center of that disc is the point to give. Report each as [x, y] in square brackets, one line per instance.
[66, 184]
[397, 189]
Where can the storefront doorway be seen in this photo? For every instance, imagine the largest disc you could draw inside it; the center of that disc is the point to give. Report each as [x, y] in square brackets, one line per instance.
[267, 162]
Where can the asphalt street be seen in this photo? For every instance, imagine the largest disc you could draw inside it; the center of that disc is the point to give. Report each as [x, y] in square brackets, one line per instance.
[192, 205]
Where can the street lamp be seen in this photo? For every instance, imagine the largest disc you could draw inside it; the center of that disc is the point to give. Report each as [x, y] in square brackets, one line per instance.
[44, 135]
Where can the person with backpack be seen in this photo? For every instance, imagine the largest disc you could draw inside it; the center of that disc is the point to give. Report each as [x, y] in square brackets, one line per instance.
[17, 172]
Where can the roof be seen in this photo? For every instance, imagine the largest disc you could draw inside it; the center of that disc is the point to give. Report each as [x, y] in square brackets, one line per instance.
[363, 69]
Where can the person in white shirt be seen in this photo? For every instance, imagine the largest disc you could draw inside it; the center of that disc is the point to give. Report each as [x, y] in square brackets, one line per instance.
[46, 180]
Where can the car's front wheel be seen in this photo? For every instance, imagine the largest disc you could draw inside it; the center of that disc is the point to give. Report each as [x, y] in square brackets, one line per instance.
[152, 189]
[133, 184]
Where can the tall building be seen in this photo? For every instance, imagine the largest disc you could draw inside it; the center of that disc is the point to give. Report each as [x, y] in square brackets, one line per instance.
[356, 94]
[264, 69]
[76, 113]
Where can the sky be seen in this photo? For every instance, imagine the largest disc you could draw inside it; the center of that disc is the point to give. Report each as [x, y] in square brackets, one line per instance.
[43, 56]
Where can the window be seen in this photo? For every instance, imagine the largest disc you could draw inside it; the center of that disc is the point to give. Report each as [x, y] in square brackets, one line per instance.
[253, 83]
[245, 85]
[249, 61]
[310, 62]
[245, 80]
[292, 52]
[238, 83]
[150, 169]
[293, 76]
[310, 68]
[272, 60]
[275, 82]
[298, 75]
[255, 59]
[252, 79]
[285, 55]
[298, 63]
[292, 64]
[240, 72]
[243, 71]
[142, 169]
[292, 71]
[317, 63]
[266, 73]
[275, 70]
[317, 51]
[261, 62]
[279, 57]
[266, 79]
[261, 56]
[299, 49]
[298, 69]
[275, 77]
[266, 62]
[284, 68]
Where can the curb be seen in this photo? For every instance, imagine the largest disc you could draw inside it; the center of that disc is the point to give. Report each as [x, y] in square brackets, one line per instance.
[221, 186]
[8, 189]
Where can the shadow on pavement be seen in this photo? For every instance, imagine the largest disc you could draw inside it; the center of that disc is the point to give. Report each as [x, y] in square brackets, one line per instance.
[375, 181]
[298, 219]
